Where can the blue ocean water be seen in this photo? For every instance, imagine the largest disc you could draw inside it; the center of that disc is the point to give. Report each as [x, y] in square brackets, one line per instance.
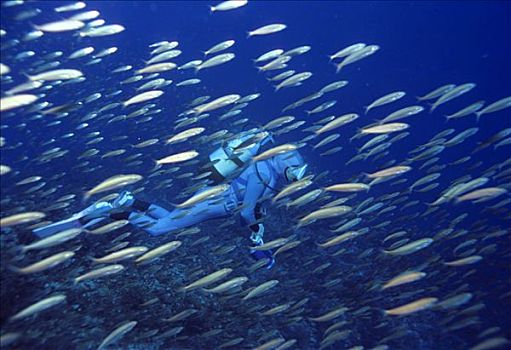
[423, 45]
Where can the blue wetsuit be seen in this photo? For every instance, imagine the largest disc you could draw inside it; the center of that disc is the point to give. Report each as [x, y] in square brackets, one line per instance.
[257, 182]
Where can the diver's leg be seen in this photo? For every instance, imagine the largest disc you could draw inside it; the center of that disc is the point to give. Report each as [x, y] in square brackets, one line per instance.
[150, 217]
[97, 212]
[180, 218]
[127, 202]
[157, 212]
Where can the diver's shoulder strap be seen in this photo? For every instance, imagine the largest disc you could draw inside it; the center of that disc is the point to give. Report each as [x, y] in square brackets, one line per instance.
[238, 161]
[267, 185]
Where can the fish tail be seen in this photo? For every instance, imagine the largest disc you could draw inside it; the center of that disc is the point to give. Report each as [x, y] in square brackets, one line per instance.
[377, 285]
[28, 76]
[367, 108]
[156, 165]
[14, 269]
[93, 260]
[18, 250]
[85, 198]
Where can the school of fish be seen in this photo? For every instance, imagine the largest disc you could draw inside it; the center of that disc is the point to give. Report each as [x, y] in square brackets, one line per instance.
[352, 252]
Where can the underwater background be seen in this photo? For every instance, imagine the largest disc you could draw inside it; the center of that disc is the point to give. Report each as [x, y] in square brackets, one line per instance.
[422, 46]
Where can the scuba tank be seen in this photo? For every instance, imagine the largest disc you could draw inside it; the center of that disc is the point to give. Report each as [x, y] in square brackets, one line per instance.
[231, 158]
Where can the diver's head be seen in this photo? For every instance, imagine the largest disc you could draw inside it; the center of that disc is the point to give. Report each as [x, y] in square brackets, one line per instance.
[290, 165]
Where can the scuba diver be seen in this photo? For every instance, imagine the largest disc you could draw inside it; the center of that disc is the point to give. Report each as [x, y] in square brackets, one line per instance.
[251, 183]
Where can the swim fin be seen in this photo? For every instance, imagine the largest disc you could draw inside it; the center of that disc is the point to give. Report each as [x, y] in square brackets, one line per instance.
[48, 230]
[95, 211]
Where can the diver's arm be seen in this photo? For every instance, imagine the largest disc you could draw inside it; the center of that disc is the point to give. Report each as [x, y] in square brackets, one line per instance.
[255, 149]
[253, 193]
[251, 212]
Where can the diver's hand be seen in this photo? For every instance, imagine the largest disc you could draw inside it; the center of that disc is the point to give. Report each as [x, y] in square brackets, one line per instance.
[257, 236]
[257, 240]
